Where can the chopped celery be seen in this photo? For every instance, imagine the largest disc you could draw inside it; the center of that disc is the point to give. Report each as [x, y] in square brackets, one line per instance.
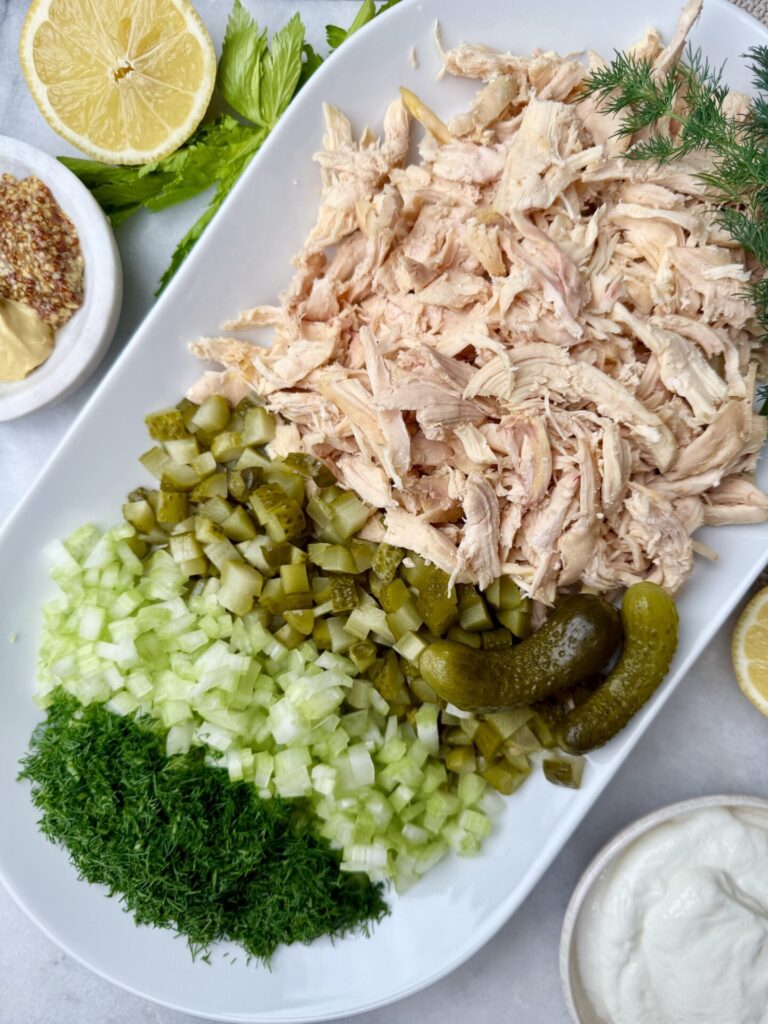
[405, 620]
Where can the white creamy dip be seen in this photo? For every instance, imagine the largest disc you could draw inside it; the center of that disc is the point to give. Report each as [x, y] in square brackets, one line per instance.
[675, 931]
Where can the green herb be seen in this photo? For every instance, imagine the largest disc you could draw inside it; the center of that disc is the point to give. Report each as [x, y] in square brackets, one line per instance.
[684, 108]
[258, 79]
[180, 844]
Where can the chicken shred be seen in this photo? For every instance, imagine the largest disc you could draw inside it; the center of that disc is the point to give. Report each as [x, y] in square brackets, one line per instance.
[531, 355]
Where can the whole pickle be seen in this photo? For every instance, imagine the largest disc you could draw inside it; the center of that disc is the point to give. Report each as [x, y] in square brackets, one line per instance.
[650, 622]
[578, 639]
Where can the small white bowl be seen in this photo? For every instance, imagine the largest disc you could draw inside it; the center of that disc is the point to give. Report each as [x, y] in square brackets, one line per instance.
[81, 343]
[577, 1001]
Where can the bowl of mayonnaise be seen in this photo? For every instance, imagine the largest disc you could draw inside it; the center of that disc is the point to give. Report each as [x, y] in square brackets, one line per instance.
[669, 923]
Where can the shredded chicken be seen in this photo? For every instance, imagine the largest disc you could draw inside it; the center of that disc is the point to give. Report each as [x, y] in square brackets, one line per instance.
[531, 355]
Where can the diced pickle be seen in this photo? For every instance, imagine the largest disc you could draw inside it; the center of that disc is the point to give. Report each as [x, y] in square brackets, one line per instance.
[300, 619]
[212, 415]
[258, 426]
[310, 467]
[504, 780]
[280, 515]
[386, 561]
[343, 592]
[213, 486]
[166, 425]
[227, 446]
[564, 771]
[171, 507]
[139, 514]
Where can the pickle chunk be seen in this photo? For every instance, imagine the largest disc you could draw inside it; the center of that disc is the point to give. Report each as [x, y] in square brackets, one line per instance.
[577, 640]
[650, 622]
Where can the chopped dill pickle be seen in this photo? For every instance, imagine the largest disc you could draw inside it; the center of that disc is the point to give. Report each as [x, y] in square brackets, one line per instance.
[171, 507]
[242, 482]
[494, 639]
[310, 467]
[294, 579]
[473, 612]
[140, 514]
[166, 425]
[504, 780]
[363, 654]
[300, 619]
[213, 486]
[280, 515]
[155, 461]
[517, 620]
[176, 477]
[564, 771]
[238, 526]
[394, 595]
[461, 760]
[227, 446]
[212, 415]
[258, 426]
[386, 561]
[343, 592]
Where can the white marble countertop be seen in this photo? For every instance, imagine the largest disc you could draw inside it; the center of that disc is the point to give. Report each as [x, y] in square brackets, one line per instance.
[708, 740]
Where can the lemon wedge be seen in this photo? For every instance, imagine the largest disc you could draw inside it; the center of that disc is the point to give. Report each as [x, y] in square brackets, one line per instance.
[750, 650]
[126, 81]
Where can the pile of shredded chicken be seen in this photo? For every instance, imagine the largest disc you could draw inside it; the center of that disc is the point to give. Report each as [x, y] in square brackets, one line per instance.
[534, 356]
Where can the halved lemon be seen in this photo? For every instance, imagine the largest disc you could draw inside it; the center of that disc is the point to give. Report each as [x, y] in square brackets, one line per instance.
[750, 650]
[126, 81]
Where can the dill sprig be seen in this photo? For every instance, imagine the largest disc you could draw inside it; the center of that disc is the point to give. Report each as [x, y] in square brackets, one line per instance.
[181, 845]
[683, 110]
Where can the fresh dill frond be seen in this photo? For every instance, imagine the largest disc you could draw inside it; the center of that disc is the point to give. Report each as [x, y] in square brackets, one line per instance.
[182, 846]
[685, 109]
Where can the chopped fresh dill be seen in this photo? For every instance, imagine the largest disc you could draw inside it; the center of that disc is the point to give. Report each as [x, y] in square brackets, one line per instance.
[181, 845]
[684, 110]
